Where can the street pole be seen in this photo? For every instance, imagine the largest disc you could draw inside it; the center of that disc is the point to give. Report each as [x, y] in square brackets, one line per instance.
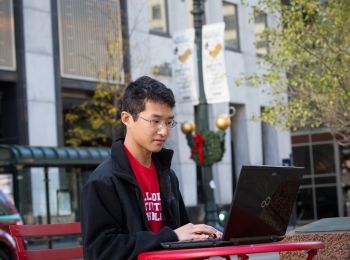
[201, 118]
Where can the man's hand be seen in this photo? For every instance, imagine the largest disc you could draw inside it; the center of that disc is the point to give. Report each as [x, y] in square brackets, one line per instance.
[196, 232]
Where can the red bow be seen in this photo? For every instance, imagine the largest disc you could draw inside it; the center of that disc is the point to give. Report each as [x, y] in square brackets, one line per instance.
[198, 146]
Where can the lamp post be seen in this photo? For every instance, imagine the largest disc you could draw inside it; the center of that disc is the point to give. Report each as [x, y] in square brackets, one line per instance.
[201, 118]
[207, 147]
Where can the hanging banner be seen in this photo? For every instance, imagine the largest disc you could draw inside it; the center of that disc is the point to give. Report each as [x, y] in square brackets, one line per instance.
[214, 68]
[183, 67]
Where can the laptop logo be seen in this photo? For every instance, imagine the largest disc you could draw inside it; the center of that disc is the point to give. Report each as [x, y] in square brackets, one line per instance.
[265, 202]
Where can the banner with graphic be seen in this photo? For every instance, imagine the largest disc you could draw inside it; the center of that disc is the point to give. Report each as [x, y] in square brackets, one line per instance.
[184, 77]
[214, 68]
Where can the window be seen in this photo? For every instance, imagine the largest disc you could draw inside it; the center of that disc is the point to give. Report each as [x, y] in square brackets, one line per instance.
[231, 26]
[90, 40]
[326, 201]
[323, 159]
[317, 196]
[157, 16]
[7, 36]
[70, 100]
[301, 157]
[156, 12]
[189, 5]
[260, 24]
[305, 205]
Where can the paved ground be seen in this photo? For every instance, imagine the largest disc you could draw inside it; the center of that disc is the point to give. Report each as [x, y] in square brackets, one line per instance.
[265, 256]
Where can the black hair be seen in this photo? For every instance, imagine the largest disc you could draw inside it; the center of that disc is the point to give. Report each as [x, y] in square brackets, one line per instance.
[145, 89]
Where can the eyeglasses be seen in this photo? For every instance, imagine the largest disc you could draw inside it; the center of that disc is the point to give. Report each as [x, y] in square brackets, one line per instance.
[157, 123]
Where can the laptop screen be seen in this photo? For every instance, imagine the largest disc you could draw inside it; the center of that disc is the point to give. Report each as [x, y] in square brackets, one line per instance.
[263, 201]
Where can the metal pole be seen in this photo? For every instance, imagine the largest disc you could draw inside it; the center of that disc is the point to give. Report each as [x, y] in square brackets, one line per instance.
[16, 196]
[201, 117]
[47, 194]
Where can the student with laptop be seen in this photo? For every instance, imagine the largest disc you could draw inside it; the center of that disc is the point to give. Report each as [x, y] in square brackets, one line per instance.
[261, 207]
[132, 202]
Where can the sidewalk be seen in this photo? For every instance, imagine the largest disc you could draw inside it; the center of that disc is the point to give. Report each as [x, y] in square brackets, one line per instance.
[264, 256]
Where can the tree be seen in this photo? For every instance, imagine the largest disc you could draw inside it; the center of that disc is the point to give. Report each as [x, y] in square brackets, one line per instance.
[95, 121]
[307, 68]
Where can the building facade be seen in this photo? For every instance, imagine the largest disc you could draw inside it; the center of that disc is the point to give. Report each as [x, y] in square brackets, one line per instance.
[51, 53]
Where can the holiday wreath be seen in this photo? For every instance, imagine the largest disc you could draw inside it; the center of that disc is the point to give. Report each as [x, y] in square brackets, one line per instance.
[206, 148]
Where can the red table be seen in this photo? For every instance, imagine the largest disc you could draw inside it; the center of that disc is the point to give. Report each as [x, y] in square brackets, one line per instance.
[240, 251]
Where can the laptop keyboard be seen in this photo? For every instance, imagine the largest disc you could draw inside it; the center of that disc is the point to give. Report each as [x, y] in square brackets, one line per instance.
[196, 244]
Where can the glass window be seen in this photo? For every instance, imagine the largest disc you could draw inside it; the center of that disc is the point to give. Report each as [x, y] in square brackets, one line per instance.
[318, 196]
[231, 26]
[9, 129]
[305, 208]
[71, 100]
[189, 6]
[260, 24]
[6, 184]
[90, 40]
[157, 16]
[301, 157]
[323, 159]
[7, 36]
[326, 199]
[325, 179]
[156, 12]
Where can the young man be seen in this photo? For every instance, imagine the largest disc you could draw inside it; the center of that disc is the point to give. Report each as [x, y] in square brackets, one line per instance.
[131, 202]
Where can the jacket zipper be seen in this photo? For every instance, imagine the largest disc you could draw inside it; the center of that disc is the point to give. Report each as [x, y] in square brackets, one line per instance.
[142, 207]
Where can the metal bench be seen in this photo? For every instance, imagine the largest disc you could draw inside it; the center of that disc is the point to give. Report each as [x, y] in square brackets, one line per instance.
[20, 232]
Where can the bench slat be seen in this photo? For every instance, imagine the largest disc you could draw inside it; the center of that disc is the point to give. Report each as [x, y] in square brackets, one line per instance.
[19, 232]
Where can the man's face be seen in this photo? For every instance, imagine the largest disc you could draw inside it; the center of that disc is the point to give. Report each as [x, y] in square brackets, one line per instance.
[149, 132]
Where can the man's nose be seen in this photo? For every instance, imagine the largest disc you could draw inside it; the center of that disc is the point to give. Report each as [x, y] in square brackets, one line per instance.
[163, 129]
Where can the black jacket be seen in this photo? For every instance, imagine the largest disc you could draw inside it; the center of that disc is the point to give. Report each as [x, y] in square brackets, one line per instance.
[113, 220]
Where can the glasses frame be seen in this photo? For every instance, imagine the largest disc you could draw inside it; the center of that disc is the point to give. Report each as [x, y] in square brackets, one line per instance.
[160, 124]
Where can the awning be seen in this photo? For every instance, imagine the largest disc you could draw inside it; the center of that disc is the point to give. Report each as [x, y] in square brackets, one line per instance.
[18, 157]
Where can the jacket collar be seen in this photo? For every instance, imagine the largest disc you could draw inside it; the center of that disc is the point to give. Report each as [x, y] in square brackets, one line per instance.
[121, 165]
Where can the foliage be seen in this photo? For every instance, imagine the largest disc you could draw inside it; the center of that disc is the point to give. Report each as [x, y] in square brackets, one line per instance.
[95, 121]
[307, 67]
[212, 148]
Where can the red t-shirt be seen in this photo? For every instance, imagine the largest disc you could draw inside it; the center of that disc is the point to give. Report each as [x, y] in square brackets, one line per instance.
[148, 181]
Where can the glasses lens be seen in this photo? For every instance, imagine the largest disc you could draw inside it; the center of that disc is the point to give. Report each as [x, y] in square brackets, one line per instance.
[155, 123]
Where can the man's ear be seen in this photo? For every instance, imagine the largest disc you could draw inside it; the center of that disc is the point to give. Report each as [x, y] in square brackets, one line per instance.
[126, 118]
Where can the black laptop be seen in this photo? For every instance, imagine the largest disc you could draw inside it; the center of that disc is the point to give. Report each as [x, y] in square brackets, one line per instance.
[260, 209]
